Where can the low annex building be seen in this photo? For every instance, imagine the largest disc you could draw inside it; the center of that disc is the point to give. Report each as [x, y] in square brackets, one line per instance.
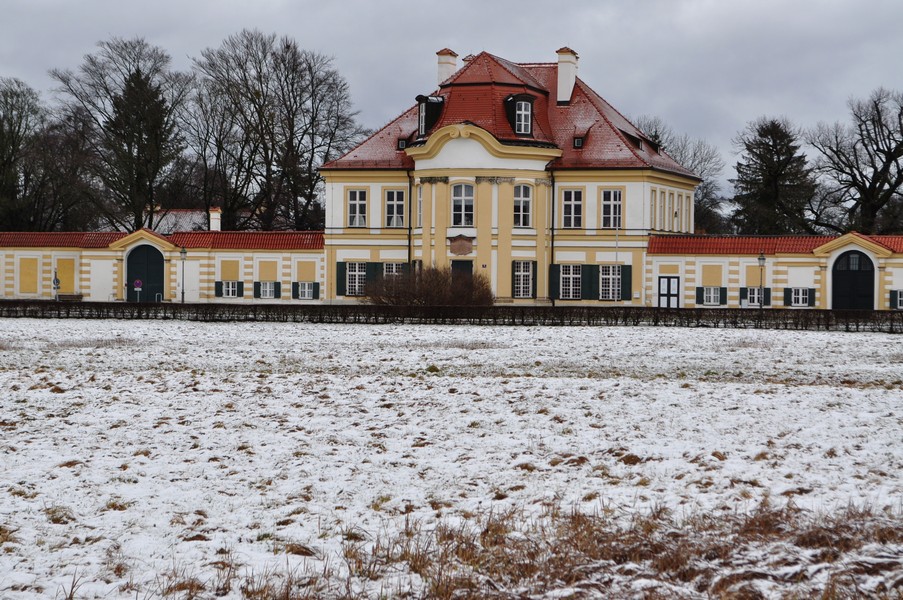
[517, 171]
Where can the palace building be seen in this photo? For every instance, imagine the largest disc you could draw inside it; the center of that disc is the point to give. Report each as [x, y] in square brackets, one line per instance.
[517, 171]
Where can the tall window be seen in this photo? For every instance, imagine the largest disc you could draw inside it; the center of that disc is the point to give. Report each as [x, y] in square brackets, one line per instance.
[356, 278]
[611, 209]
[523, 117]
[394, 208]
[572, 213]
[419, 206]
[421, 119]
[523, 279]
[522, 207]
[462, 205]
[357, 208]
[609, 282]
[652, 209]
[570, 282]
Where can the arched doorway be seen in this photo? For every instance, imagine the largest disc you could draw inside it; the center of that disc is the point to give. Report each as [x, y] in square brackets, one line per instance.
[144, 266]
[853, 279]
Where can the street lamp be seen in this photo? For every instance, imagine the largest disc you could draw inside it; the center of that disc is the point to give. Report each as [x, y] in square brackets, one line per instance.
[761, 260]
[183, 253]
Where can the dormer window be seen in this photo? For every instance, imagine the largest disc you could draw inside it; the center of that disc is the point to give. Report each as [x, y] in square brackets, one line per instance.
[429, 110]
[519, 109]
[578, 142]
[402, 143]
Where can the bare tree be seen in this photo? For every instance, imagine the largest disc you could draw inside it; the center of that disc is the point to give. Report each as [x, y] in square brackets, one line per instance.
[701, 158]
[295, 109]
[863, 163]
[130, 99]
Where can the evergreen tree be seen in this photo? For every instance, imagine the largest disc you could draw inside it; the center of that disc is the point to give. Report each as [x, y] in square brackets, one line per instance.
[775, 187]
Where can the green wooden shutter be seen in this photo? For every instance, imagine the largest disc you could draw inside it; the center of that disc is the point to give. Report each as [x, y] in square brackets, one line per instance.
[316, 290]
[257, 289]
[277, 293]
[744, 294]
[513, 264]
[722, 296]
[589, 282]
[700, 296]
[533, 273]
[894, 299]
[811, 296]
[767, 301]
[626, 282]
[554, 281]
[295, 291]
[218, 289]
[788, 296]
[341, 279]
[374, 271]
[241, 289]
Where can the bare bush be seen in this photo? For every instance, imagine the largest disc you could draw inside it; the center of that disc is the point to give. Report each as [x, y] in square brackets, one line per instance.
[433, 286]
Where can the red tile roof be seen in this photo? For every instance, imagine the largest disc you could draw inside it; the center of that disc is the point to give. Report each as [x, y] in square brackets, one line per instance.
[475, 94]
[770, 245]
[249, 240]
[59, 239]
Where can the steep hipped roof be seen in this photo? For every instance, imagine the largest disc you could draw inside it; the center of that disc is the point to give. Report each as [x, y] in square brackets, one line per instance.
[769, 245]
[476, 95]
[214, 240]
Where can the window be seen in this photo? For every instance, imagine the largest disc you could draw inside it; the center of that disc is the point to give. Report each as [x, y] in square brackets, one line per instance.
[799, 297]
[896, 299]
[267, 289]
[611, 209]
[572, 216]
[711, 296]
[356, 278]
[230, 289]
[609, 282]
[421, 119]
[578, 142]
[523, 279]
[570, 282]
[357, 208]
[305, 290]
[394, 208]
[462, 205]
[393, 269]
[652, 209]
[522, 208]
[754, 296]
[523, 117]
[419, 206]
[402, 143]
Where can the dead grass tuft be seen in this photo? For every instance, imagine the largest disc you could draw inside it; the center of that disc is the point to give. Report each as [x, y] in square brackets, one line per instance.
[59, 515]
[7, 535]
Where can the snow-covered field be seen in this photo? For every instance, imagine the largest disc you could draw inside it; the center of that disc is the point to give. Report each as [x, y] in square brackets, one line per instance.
[133, 449]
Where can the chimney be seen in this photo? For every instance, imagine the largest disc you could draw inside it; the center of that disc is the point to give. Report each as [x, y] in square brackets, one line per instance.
[215, 215]
[447, 63]
[567, 74]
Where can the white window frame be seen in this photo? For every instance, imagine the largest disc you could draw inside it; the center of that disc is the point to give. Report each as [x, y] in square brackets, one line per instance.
[523, 117]
[355, 278]
[393, 269]
[268, 289]
[753, 296]
[462, 205]
[230, 289]
[609, 282]
[711, 295]
[523, 279]
[419, 206]
[572, 209]
[570, 286]
[395, 208]
[357, 208]
[799, 296]
[305, 290]
[523, 206]
[611, 209]
[421, 119]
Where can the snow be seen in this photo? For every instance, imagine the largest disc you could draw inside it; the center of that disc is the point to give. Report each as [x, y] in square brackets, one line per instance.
[168, 441]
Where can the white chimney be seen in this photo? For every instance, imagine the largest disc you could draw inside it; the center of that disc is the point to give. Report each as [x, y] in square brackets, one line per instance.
[567, 74]
[215, 216]
[447, 63]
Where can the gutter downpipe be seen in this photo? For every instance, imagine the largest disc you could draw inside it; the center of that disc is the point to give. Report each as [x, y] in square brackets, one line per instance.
[410, 220]
[552, 248]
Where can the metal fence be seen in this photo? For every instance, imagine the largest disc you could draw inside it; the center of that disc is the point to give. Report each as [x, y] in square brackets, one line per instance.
[796, 319]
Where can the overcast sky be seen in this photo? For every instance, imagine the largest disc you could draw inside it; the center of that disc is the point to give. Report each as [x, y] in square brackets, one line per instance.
[707, 67]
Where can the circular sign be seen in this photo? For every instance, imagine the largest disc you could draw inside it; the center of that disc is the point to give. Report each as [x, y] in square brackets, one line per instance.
[138, 283]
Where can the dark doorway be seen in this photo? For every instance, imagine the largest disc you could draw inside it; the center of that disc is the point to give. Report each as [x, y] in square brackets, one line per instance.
[144, 267]
[462, 277]
[853, 279]
[668, 292]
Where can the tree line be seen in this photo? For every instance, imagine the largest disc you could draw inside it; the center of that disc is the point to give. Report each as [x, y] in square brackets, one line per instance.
[853, 183]
[130, 138]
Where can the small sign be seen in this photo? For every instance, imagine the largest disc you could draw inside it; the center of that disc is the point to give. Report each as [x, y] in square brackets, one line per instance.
[56, 283]
[138, 285]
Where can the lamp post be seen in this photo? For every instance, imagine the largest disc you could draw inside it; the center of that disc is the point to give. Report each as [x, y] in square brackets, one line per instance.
[761, 260]
[183, 253]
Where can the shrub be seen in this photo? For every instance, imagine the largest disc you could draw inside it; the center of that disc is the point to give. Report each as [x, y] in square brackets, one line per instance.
[433, 286]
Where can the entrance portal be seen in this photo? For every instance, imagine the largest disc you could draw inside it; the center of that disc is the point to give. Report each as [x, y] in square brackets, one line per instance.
[144, 267]
[853, 278]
